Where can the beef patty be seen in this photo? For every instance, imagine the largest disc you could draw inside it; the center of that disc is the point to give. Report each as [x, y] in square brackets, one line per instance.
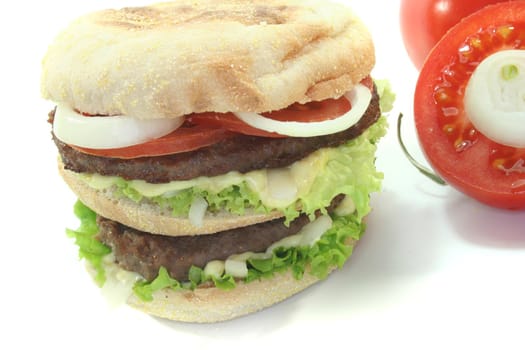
[146, 253]
[241, 153]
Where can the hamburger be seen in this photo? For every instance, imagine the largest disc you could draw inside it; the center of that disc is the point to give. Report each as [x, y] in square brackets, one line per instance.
[222, 152]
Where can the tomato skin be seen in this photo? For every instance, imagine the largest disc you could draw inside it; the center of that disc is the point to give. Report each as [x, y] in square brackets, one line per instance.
[184, 139]
[309, 112]
[204, 129]
[424, 22]
[469, 170]
[229, 122]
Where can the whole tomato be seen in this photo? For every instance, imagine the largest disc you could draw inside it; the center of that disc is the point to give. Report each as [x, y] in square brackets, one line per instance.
[424, 22]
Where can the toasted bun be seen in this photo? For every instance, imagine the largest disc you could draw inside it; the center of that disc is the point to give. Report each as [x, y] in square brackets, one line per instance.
[210, 304]
[172, 59]
[151, 218]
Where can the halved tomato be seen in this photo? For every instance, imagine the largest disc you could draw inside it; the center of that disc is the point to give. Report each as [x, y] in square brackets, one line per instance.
[483, 169]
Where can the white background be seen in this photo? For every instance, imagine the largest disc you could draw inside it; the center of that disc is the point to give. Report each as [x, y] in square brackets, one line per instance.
[434, 270]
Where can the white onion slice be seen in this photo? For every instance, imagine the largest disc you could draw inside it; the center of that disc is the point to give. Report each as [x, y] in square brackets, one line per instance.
[311, 233]
[214, 268]
[359, 97]
[495, 98]
[197, 211]
[236, 266]
[308, 235]
[108, 132]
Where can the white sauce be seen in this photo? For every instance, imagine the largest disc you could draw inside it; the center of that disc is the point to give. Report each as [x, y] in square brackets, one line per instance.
[236, 265]
[277, 188]
[119, 282]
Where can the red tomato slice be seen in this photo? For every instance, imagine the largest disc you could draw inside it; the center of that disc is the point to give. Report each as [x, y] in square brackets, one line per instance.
[489, 172]
[205, 129]
[229, 122]
[309, 112]
[184, 139]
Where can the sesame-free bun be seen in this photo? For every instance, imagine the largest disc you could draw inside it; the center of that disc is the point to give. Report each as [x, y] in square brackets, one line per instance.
[149, 217]
[208, 304]
[175, 58]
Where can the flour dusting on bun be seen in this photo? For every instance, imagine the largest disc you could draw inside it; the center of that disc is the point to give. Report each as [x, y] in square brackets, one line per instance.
[223, 153]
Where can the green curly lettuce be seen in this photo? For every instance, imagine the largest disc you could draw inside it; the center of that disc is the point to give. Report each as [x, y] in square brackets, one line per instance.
[386, 94]
[350, 170]
[330, 251]
[347, 169]
[90, 248]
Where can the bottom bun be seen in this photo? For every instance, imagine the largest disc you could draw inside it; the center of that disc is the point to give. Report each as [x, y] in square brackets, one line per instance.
[211, 304]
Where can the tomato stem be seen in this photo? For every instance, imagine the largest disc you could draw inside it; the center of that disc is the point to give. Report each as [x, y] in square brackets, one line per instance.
[422, 169]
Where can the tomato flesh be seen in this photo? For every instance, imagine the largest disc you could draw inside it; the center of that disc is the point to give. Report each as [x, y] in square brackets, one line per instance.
[488, 171]
[310, 112]
[185, 139]
[204, 129]
[229, 122]
[448, 93]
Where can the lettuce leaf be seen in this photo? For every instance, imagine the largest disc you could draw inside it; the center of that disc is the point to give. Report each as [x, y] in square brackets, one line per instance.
[328, 252]
[144, 290]
[344, 170]
[350, 170]
[387, 95]
[89, 248]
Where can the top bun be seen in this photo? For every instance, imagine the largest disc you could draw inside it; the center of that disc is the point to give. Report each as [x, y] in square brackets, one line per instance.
[176, 58]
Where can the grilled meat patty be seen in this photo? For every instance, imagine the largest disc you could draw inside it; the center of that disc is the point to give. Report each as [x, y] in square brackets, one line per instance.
[145, 253]
[241, 153]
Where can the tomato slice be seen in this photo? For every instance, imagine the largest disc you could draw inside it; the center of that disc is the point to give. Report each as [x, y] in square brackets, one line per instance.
[229, 122]
[184, 139]
[310, 112]
[483, 169]
[204, 129]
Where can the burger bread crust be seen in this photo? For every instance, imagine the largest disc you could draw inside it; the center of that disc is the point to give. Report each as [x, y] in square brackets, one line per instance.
[270, 54]
[151, 218]
[241, 153]
[208, 304]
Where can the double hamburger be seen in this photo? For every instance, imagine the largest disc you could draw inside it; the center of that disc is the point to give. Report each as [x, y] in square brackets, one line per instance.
[222, 152]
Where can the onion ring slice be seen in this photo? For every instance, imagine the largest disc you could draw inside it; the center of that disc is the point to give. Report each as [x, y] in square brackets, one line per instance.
[107, 132]
[359, 98]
